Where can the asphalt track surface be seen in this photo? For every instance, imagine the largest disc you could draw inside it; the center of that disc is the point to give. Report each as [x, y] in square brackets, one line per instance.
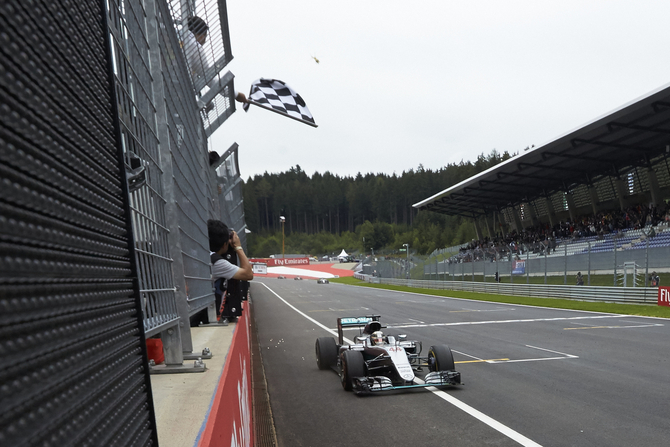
[532, 376]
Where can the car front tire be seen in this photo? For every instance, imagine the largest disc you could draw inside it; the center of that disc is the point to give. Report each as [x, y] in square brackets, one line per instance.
[440, 358]
[326, 352]
[353, 365]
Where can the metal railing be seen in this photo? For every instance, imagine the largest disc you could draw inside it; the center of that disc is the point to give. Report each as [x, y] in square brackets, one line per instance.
[165, 148]
[140, 141]
[636, 295]
[526, 268]
[229, 201]
[71, 339]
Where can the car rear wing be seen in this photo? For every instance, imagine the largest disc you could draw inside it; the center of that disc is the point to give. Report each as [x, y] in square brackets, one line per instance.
[359, 322]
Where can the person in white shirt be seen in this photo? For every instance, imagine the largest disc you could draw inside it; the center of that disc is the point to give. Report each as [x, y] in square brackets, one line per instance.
[227, 278]
[194, 38]
[221, 239]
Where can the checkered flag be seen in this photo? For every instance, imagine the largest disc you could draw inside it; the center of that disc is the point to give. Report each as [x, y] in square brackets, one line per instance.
[275, 95]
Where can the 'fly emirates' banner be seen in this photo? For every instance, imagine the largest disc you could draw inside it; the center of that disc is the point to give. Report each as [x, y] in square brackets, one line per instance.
[281, 262]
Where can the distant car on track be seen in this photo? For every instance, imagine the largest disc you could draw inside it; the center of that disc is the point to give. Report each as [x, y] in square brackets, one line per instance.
[281, 277]
[297, 278]
[379, 363]
[322, 281]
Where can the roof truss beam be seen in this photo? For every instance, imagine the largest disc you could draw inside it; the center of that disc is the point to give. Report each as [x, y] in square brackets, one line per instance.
[580, 141]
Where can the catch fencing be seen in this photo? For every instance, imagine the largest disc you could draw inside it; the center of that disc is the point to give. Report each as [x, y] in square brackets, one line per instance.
[107, 189]
[228, 184]
[159, 95]
[632, 295]
[73, 363]
[631, 267]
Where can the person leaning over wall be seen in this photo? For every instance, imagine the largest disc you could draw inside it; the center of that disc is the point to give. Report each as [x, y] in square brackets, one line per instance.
[225, 246]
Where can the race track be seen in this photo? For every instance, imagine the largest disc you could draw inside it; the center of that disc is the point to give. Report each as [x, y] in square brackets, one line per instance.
[533, 376]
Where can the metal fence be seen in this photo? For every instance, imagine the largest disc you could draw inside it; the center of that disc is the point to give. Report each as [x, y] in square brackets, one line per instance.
[634, 295]
[107, 188]
[162, 115]
[527, 267]
[72, 351]
[228, 184]
[626, 259]
[137, 117]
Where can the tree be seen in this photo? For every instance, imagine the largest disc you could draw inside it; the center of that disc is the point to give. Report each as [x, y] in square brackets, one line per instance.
[263, 191]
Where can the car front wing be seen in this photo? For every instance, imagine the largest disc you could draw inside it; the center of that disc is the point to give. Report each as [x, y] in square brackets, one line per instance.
[372, 384]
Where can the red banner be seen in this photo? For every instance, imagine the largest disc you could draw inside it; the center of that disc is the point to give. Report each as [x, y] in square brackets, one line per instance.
[274, 262]
[229, 422]
[664, 296]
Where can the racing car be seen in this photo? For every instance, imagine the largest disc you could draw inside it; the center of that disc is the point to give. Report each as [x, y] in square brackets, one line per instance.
[322, 281]
[376, 362]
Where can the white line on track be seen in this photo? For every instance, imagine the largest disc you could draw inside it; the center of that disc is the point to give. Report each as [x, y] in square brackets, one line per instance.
[530, 320]
[503, 429]
[611, 327]
[563, 354]
[467, 355]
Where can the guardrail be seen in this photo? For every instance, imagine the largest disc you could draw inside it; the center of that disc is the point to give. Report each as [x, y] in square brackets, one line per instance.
[635, 295]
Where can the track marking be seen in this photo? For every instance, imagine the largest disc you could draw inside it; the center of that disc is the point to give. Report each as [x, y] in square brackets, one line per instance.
[503, 429]
[467, 355]
[333, 310]
[531, 320]
[564, 356]
[488, 420]
[610, 327]
[506, 360]
[482, 361]
[418, 321]
[480, 310]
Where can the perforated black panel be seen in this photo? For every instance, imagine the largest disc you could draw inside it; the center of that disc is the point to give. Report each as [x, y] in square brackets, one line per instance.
[72, 364]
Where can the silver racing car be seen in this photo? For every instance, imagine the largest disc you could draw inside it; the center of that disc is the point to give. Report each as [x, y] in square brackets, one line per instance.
[378, 362]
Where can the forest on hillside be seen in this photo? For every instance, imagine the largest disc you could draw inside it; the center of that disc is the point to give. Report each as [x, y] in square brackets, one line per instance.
[326, 211]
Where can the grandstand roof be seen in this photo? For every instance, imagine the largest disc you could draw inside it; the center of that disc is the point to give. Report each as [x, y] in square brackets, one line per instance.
[635, 135]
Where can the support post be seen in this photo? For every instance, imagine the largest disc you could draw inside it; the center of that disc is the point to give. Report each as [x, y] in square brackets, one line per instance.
[656, 197]
[517, 219]
[177, 342]
[620, 187]
[593, 195]
[570, 199]
[478, 230]
[551, 213]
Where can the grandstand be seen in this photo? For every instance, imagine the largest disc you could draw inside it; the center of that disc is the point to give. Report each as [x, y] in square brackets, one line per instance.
[613, 162]
[601, 188]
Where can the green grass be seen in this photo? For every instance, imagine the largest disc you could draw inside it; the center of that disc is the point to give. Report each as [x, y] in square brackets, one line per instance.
[650, 310]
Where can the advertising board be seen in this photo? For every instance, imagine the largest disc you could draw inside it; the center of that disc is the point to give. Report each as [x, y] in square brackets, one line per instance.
[276, 262]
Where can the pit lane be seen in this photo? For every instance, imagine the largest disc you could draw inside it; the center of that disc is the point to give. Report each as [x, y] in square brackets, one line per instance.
[552, 376]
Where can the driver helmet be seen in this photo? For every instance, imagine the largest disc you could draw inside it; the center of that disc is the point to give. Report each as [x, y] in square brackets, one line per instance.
[377, 338]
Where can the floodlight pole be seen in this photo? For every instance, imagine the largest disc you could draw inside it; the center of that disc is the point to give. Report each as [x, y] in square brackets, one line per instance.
[407, 261]
[282, 219]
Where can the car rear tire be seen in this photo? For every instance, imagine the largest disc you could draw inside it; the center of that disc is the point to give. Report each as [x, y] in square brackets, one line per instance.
[326, 352]
[440, 358]
[353, 365]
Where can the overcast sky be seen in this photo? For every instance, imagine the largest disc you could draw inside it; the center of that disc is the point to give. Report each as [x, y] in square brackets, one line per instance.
[403, 83]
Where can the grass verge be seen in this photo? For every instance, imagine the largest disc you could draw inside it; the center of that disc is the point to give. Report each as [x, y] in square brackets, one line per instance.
[650, 310]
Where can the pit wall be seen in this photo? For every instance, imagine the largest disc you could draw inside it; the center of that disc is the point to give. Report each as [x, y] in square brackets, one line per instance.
[229, 421]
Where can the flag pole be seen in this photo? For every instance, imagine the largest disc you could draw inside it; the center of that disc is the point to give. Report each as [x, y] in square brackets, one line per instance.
[266, 107]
